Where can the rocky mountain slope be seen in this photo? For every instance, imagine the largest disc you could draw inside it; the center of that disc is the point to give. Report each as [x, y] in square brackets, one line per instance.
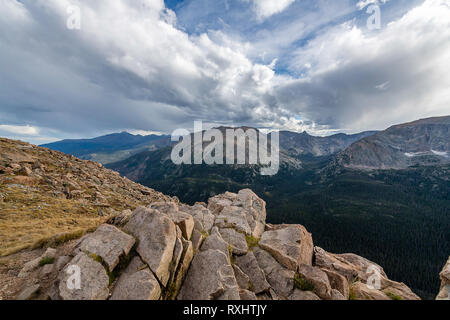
[120, 146]
[223, 250]
[50, 196]
[298, 144]
[422, 142]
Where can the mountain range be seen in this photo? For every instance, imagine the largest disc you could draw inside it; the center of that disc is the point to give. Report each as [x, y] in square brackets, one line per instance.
[387, 191]
[109, 148]
[422, 142]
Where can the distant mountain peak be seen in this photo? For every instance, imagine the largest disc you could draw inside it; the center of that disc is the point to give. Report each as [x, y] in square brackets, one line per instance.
[421, 142]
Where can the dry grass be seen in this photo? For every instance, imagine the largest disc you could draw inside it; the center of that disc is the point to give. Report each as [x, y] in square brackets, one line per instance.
[59, 198]
[30, 219]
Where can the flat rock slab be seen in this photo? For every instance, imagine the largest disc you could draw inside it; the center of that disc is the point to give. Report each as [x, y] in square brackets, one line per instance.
[236, 240]
[338, 282]
[280, 279]
[317, 278]
[156, 235]
[241, 278]
[215, 242]
[210, 277]
[249, 265]
[247, 295]
[291, 245]
[137, 282]
[299, 295]
[183, 267]
[29, 292]
[93, 281]
[107, 242]
[362, 292]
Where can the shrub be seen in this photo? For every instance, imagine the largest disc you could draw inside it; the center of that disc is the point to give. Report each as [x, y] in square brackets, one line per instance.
[302, 284]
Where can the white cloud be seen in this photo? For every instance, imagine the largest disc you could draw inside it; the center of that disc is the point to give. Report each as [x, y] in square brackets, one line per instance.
[132, 67]
[128, 66]
[267, 8]
[369, 80]
[19, 130]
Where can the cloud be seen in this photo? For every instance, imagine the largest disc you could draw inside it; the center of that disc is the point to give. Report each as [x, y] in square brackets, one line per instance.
[267, 8]
[133, 66]
[158, 78]
[362, 80]
[19, 130]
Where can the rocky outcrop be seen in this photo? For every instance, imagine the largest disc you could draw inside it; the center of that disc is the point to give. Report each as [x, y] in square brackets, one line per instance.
[220, 251]
[367, 279]
[444, 293]
[244, 212]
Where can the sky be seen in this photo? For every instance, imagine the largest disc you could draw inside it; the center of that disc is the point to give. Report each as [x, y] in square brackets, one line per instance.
[147, 66]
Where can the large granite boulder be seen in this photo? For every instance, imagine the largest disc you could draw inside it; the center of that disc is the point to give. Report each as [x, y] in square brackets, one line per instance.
[249, 265]
[107, 242]
[156, 235]
[280, 279]
[361, 291]
[236, 240]
[444, 293]
[137, 282]
[317, 279]
[291, 245]
[210, 277]
[215, 242]
[338, 282]
[93, 280]
[303, 295]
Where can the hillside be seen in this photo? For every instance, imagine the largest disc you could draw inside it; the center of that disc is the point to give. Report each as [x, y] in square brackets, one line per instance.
[49, 196]
[422, 142]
